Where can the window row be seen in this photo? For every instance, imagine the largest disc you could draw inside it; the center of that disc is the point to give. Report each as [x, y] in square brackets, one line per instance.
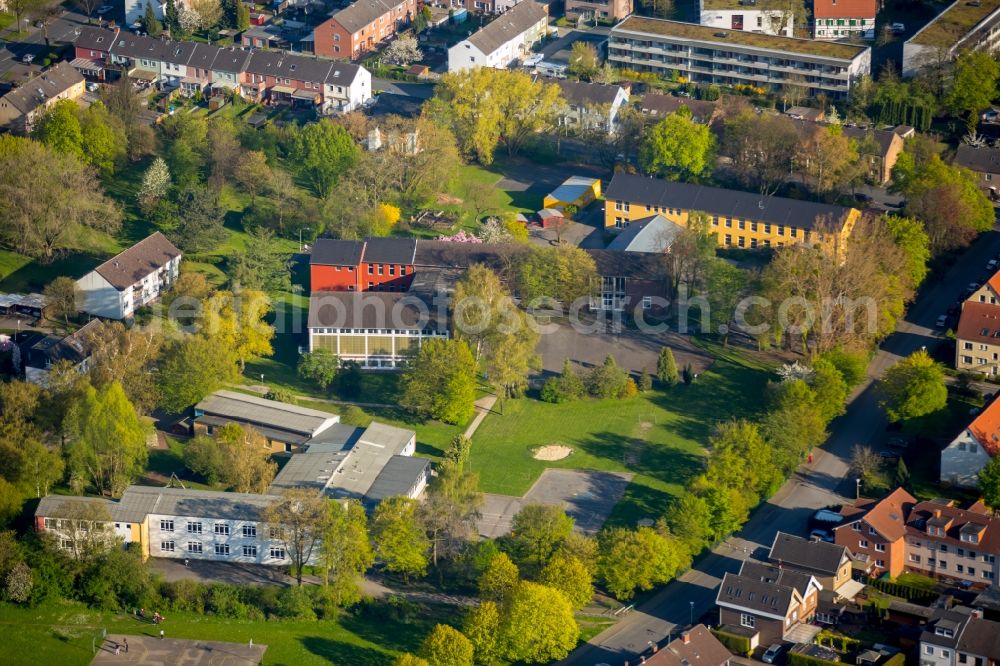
[220, 529]
[222, 549]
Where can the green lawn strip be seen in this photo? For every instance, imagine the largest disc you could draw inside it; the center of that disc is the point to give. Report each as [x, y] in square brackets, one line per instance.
[916, 580]
[22, 274]
[928, 435]
[62, 633]
[659, 436]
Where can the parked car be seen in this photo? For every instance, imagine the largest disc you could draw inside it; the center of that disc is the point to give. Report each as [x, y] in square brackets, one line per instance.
[888, 456]
[862, 198]
[992, 264]
[898, 28]
[772, 653]
[825, 519]
[818, 535]
[104, 9]
[941, 322]
[27, 58]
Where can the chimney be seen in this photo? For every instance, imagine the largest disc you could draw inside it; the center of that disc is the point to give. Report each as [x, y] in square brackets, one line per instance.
[686, 637]
[978, 614]
[655, 648]
[937, 513]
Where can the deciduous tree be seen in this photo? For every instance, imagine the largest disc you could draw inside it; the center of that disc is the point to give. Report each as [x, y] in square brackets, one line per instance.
[583, 60]
[192, 367]
[913, 387]
[762, 148]
[346, 552]
[537, 530]
[400, 542]
[568, 575]
[319, 366]
[677, 148]
[64, 203]
[108, 442]
[973, 86]
[536, 625]
[633, 560]
[323, 151]
[155, 185]
[440, 382]
[235, 320]
[248, 466]
[298, 521]
[989, 483]
[262, 264]
[128, 356]
[403, 51]
[252, 172]
[62, 296]
[59, 128]
[447, 646]
[499, 578]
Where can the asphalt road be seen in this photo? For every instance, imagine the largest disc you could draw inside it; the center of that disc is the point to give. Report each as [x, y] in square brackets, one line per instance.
[813, 486]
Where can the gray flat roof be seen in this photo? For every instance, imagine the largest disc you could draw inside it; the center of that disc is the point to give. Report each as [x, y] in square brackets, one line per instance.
[398, 476]
[61, 506]
[308, 470]
[139, 501]
[267, 413]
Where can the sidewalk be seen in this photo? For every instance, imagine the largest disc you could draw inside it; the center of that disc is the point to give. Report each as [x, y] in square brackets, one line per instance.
[483, 407]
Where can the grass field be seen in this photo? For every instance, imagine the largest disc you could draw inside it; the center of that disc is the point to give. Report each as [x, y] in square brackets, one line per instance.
[659, 436]
[61, 633]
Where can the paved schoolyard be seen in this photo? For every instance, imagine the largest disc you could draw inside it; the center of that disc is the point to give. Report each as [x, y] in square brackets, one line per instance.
[588, 497]
[150, 651]
[632, 350]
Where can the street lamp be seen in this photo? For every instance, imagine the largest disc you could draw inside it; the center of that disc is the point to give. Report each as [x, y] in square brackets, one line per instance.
[262, 378]
[857, 488]
[300, 239]
[692, 613]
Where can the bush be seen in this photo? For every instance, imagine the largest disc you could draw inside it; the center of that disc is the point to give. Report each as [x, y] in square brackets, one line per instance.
[904, 591]
[607, 380]
[552, 391]
[296, 603]
[735, 644]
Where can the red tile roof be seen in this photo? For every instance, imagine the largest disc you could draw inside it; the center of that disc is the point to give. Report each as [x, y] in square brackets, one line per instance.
[994, 282]
[845, 9]
[986, 428]
[976, 519]
[980, 322]
[888, 516]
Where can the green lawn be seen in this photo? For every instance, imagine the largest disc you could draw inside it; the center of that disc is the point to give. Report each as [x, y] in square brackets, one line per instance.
[659, 436]
[61, 633]
[929, 434]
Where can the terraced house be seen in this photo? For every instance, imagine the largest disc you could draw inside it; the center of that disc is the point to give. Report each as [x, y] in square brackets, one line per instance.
[728, 57]
[739, 219]
[351, 32]
[966, 25]
[263, 76]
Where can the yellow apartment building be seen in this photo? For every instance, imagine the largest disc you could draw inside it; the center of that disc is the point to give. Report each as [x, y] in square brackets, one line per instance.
[739, 219]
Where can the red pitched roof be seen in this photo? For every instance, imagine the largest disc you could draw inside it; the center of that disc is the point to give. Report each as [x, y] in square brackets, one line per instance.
[980, 322]
[888, 515]
[845, 9]
[994, 282]
[954, 520]
[986, 428]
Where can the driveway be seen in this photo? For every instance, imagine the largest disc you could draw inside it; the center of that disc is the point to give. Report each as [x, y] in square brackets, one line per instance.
[813, 486]
[419, 90]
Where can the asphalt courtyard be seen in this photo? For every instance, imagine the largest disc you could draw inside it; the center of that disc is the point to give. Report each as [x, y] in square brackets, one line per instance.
[588, 498]
[155, 651]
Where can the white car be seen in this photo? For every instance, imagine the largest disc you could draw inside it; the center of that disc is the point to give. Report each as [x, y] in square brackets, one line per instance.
[104, 9]
[898, 28]
[992, 264]
[771, 654]
[941, 322]
[28, 58]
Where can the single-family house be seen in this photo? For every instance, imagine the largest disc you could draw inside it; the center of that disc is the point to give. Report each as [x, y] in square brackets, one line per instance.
[359, 28]
[695, 645]
[378, 330]
[767, 600]
[878, 150]
[829, 563]
[844, 19]
[984, 163]
[738, 219]
[130, 279]
[875, 530]
[285, 427]
[507, 39]
[43, 354]
[656, 105]
[23, 106]
[590, 106]
[973, 448]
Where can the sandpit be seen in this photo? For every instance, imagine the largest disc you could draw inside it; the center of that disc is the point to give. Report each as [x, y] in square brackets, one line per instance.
[552, 452]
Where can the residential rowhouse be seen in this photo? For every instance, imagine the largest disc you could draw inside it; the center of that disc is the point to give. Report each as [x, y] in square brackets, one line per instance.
[351, 32]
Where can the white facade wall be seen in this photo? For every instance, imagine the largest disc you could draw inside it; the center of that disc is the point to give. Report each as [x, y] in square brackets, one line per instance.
[100, 298]
[961, 461]
[197, 538]
[936, 655]
[838, 28]
[342, 98]
[465, 55]
[967, 562]
[172, 73]
[753, 20]
[369, 359]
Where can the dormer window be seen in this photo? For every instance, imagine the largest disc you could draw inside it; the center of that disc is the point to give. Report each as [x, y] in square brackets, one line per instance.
[942, 631]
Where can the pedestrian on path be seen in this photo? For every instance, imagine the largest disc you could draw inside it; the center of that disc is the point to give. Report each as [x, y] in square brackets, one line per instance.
[118, 649]
[125, 640]
[161, 634]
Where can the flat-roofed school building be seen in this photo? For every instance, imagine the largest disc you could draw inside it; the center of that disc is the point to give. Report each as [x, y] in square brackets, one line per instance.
[705, 54]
